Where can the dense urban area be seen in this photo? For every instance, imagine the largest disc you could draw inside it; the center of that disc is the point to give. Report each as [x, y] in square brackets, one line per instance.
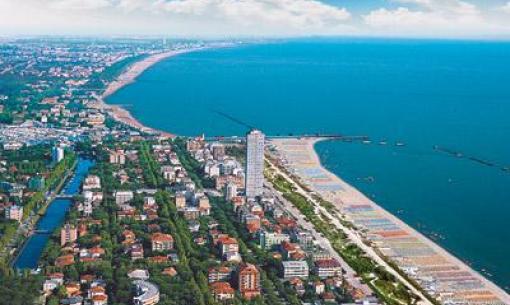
[96, 211]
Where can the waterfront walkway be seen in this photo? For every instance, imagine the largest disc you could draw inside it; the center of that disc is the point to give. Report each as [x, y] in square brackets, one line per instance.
[437, 271]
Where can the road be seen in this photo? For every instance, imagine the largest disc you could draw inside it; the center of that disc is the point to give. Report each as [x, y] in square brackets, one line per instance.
[350, 275]
[353, 236]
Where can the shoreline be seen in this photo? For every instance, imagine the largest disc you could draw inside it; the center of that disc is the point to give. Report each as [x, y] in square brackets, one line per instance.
[129, 76]
[306, 158]
[348, 196]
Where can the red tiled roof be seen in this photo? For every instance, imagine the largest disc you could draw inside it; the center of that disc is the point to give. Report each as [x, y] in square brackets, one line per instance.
[327, 263]
[161, 237]
[221, 288]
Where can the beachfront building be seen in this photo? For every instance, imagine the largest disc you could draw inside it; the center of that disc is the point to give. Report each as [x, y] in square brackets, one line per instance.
[254, 163]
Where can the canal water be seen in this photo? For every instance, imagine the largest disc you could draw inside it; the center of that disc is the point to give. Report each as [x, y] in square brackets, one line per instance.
[54, 217]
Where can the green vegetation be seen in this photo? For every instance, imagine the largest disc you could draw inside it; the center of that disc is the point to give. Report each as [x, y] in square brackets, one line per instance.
[19, 290]
[191, 165]
[150, 167]
[382, 282]
[238, 152]
[98, 80]
[54, 181]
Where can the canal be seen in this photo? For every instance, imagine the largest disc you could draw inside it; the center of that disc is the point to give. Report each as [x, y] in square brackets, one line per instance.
[31, 252]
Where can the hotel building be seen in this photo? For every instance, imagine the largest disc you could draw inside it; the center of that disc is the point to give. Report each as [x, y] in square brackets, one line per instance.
[254, 163]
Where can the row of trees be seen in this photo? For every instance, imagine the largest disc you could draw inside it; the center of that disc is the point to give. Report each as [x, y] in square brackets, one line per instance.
[387, 287]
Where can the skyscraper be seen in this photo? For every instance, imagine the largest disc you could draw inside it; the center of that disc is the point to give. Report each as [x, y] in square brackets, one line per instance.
[254, 163]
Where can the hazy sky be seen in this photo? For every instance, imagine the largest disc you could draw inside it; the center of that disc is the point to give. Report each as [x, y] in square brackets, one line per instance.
[230, 18]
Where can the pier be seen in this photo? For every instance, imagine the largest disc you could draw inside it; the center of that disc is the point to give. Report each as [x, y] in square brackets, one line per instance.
[339, 137]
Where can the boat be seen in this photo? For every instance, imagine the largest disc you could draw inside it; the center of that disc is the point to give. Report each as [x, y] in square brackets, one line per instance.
[369, 179]
[367, 142]
[399, 144]
[383, 142]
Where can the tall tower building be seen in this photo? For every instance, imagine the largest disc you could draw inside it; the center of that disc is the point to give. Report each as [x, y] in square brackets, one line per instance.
[254, 163]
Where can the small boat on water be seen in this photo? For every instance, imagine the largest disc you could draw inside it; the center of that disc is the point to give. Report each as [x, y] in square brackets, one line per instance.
[369, 179]
[367, 142]
[400, 144]
[383, 142]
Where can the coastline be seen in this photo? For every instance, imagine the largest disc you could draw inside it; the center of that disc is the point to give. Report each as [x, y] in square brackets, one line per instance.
[304, 161]
[129, 76]
[347, 197]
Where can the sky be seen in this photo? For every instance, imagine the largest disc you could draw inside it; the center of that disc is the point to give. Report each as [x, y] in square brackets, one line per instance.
[257, 18]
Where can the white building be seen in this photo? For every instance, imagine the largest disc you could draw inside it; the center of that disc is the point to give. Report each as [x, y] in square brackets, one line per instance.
[270, 239]
[14, 212]
[122, 197]
[57, 154]
[254, 163]
[292, 269]
[92, 182]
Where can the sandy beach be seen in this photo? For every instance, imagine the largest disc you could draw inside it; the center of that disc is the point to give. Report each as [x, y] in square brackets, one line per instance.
[129, 76]
[439, 272]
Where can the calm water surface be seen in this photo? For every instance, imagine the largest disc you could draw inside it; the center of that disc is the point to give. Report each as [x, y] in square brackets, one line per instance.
[423, 93]
[55, 215]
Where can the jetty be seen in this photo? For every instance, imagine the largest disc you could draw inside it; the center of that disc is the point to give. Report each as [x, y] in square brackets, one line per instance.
[338, 137]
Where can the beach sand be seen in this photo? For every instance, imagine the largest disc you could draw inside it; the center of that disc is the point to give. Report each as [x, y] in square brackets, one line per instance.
[452, 279]
[122, 115]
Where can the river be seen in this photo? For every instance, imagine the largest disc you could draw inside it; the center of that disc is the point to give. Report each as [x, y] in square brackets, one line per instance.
[31, 252]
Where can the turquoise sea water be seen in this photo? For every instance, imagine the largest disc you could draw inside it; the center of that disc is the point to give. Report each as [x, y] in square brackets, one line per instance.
[453, 94]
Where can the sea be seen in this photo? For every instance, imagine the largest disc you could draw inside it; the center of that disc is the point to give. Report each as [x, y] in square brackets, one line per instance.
[436, 112]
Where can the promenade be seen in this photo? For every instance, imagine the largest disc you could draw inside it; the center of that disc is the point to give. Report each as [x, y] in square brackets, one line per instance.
[437, 271]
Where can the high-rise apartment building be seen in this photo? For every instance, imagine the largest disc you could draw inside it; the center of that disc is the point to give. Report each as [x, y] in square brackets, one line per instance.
[249, 281]
[254, 163]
